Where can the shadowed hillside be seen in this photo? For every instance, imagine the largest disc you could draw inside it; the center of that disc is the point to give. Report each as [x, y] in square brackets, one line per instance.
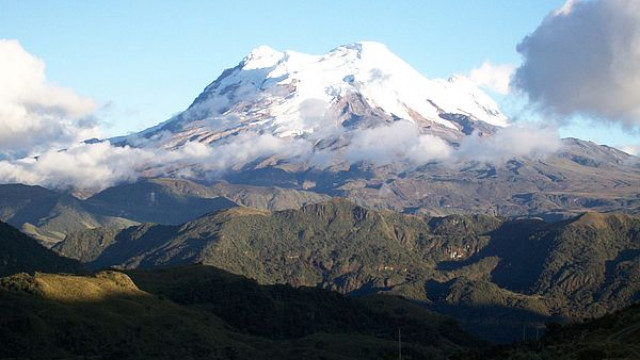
[201, 312]
[613, 336]
[20, 253]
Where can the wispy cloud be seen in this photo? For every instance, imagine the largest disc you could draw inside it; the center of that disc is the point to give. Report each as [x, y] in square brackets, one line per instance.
[400, 141]
[94, 167]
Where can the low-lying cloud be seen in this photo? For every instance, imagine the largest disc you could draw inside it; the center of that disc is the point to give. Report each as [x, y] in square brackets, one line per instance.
[384, 145]
[402, 142]
[94, 167]
[511, 142]
[633, 149]
[584, 59]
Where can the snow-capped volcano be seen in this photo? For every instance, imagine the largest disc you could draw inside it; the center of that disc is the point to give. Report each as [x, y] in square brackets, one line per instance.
[357, 122]
[356, 86]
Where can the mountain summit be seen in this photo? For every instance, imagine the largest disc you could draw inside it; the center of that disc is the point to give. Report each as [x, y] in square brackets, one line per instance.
[355, 86]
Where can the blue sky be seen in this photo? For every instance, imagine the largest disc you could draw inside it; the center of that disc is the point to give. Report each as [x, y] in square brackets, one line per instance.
[143, 61]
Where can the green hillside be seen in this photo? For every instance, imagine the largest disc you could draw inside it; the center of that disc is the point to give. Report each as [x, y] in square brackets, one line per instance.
[494, 275]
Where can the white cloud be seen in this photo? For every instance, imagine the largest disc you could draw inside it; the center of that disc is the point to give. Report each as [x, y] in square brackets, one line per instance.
[34, 114]
[494, 77]
[400, 141]
[510, 142]
[94, 167]
[314, 112]
[251, 146]
[566, 8]
[585, 59]
[84, 166]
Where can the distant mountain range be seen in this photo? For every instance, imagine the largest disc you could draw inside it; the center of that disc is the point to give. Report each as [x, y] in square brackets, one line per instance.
[50, 216]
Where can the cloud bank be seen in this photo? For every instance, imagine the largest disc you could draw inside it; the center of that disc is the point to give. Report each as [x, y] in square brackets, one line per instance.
[97, 166]
[94, 167]
[584, 59]
[511, 142]
[34, 114]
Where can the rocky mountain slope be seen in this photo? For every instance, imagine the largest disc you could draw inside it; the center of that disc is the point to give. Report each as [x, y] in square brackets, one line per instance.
[473, 267]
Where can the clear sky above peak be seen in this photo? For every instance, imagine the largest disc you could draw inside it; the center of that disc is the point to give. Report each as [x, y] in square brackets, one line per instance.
[143, 61]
